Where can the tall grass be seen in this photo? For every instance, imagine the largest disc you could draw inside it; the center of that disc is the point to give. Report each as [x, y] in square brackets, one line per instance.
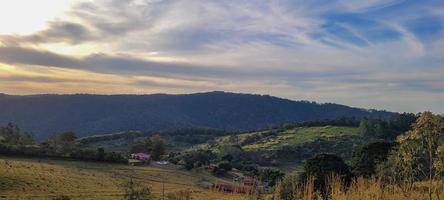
[362, 189]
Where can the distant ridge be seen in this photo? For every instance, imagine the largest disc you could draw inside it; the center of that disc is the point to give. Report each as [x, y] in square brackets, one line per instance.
[97, 114]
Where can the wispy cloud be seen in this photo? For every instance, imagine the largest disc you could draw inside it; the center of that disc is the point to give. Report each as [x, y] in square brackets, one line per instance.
[364, 53]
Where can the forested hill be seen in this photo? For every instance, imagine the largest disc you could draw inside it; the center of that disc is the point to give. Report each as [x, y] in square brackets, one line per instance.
[94, 114]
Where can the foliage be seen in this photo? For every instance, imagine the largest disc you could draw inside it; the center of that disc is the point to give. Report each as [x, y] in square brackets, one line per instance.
[11, 135]
[417, 156]
[402, 122]
[359, 188]
[158, 147]
[61, 197]
[145, 146]
[387, 129]
[338, 121]
[375, 128]
[85, 114]
[63, 142]
[322, 167]
[285, 190]
[180, 195]
[366, 157]
[225, 165]
[134, 191]
[191, 159]
[127, 135]
[270, 176]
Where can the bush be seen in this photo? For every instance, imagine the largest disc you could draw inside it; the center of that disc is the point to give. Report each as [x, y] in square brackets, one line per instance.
[322, 167]
[135, 191]
[367, 157]
[180, 195]
[219, 172]
[61, 197]
[225, 165]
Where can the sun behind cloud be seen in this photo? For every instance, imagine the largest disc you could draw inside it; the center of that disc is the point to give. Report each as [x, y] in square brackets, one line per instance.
[25, 16]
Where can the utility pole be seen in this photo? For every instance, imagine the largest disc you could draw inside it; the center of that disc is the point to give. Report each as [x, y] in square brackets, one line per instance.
[163, 188]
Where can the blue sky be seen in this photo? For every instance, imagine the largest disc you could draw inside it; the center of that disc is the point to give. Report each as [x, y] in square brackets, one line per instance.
[370, 54]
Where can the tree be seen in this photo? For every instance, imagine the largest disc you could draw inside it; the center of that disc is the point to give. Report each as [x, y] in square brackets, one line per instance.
[61, 197]
[429, 131]
[63, 142]
[366, 157]
[135, 191]
[158, 147]
[26, 139]
[10, 134]
[322, 167]
[402, 122]
[234, 152]
[100, 154]
[375, 128]
[418, 154]
[225, 165]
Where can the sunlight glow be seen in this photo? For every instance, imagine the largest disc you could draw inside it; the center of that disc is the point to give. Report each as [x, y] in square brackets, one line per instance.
[7, 68]
[25, 17]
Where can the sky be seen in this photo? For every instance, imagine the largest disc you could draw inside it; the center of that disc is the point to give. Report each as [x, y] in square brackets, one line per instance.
[383, 54]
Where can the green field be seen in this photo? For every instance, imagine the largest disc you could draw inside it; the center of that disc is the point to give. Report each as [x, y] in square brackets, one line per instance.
[44, 178]
[275, 139]
[301, 135]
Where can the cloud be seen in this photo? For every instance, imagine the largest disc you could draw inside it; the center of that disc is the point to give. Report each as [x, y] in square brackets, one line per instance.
[338, 51]
[56, 32]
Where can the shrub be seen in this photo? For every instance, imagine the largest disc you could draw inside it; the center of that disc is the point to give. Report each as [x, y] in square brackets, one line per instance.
[225, 165]
[61, 197]
[135, 191]
[367, 157]
[323, 166]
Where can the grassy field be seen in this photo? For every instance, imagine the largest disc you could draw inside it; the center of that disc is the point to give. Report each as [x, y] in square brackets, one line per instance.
[275, 139]
[300, 135]
[42, 179]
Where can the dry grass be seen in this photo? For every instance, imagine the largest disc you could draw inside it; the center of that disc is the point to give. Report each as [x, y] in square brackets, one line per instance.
[34, 179]
[366, 189]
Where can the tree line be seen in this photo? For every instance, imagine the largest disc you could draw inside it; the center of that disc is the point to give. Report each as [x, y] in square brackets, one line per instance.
[14, 142]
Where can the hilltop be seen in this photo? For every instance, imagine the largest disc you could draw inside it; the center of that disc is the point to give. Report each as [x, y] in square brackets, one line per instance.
[99, 114]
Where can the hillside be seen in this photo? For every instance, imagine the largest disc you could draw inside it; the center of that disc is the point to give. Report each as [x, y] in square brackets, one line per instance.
[98, 114]
[283, 146]
[89, 180]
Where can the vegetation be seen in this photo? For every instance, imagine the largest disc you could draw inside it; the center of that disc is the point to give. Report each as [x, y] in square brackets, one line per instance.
[401, 157]
[88, 114]
[367, 157]
[359, 188]
[418, 156]
[58, 145]
[319, 169]
[135, 191]
[412, 169]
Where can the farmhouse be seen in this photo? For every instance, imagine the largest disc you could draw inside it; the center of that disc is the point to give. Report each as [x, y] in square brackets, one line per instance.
[139, 159]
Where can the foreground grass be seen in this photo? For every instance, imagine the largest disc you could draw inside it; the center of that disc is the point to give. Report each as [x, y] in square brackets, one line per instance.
[365, 189]
[43, 179]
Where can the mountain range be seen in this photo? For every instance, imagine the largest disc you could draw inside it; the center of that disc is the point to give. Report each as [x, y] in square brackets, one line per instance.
[88, 114]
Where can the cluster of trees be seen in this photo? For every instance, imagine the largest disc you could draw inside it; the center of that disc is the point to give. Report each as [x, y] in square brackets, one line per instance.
[417, 155]
[338, 121]
[59, 145]
[128, 135]
[192, 136]
[153, 145]
[387, 129]
[227, 158]
[11, 135]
